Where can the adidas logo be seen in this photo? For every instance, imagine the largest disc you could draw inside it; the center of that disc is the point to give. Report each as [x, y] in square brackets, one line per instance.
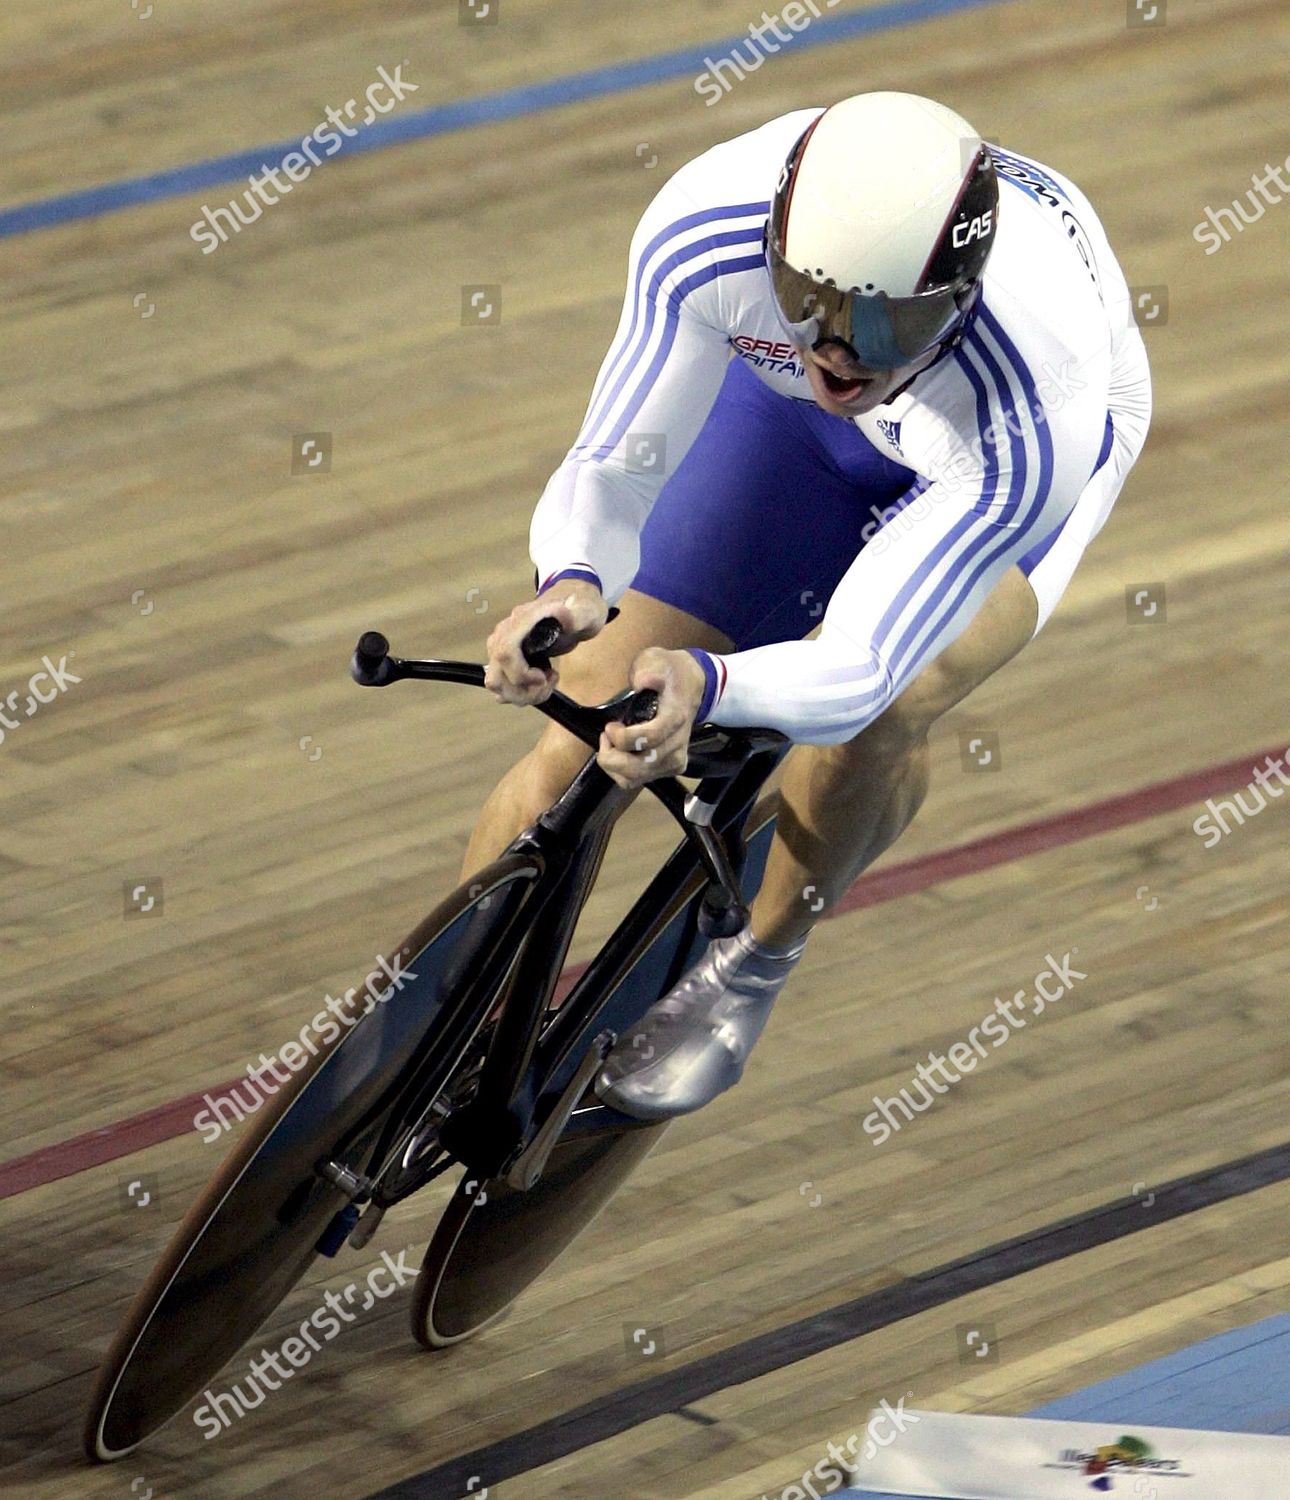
[891, 431]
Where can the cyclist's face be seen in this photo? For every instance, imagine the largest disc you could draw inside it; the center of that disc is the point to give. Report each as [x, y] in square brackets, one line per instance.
[845, 387]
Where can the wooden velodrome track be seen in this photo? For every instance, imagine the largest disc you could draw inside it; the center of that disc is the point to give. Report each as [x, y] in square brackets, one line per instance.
[215, 747]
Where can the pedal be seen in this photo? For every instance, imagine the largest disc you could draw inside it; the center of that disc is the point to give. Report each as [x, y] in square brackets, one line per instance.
[367, 1225]
[337, 1231]
[531, 1162]
[345, 1221]
[719, 917]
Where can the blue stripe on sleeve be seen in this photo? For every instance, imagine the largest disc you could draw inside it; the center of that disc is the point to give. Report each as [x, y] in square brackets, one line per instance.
[1016, 440]
[973, 524]
[1009, 540]
[673, 231]
[588, 575]
[913, 639]
[963, 525]
[1036, 555]
[674, 300]
[1037, 409]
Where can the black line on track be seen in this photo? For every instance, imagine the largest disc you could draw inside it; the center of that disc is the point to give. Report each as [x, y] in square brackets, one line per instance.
[619, 1411]
[702, 1418]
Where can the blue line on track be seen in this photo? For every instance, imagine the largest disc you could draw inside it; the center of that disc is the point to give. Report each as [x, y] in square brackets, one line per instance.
[440, 119]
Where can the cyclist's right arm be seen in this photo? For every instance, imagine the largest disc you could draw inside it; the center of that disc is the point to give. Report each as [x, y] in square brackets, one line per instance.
[652, 396]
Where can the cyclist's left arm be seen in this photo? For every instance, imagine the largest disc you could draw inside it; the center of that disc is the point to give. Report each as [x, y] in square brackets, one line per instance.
[1006, 468]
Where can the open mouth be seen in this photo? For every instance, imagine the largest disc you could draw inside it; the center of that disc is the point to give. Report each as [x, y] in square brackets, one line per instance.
[844, 387]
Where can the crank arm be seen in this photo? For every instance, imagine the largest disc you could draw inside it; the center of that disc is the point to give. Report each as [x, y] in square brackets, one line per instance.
[531, 1162]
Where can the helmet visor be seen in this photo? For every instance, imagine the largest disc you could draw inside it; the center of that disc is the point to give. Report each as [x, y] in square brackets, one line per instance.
[883, 332]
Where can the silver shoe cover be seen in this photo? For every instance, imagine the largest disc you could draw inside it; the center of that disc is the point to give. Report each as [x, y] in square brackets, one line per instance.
[692, 1044]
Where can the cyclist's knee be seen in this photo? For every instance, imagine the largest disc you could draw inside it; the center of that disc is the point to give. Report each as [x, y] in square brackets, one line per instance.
[903, 726]
[900, 731]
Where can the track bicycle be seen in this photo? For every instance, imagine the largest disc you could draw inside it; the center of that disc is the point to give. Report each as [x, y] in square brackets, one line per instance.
[467, 1061]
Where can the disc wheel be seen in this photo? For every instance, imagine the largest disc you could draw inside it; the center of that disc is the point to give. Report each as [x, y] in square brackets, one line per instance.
[493, 1241]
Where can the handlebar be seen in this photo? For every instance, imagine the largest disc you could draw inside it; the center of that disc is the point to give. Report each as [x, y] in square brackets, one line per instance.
[371, 664]
[714, 752]
[715, 755]
[536, 645]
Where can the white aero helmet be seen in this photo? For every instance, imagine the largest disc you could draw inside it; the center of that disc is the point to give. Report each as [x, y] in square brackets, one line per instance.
[881, 225]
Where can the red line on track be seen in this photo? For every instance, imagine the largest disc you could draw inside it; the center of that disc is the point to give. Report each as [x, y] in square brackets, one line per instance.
[124, 1137]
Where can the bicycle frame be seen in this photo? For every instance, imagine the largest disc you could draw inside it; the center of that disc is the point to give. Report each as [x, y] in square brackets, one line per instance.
[525, 1068]
[474, 1063]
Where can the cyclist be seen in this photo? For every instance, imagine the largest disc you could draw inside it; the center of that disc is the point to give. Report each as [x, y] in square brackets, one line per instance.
[873, 375]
